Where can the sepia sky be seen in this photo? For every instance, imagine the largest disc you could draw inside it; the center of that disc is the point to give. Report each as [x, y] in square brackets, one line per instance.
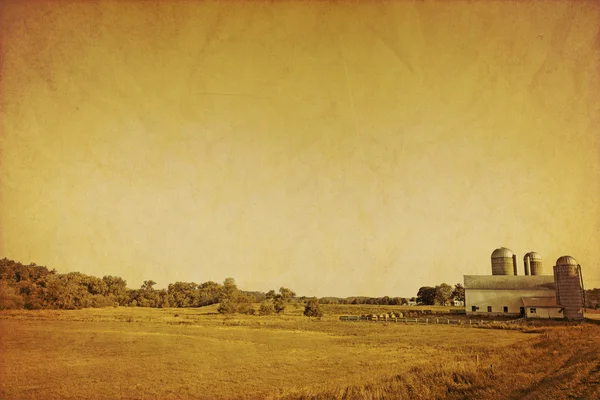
[336, 148]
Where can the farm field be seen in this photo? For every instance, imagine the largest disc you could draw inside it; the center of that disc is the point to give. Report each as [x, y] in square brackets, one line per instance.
[141, 353]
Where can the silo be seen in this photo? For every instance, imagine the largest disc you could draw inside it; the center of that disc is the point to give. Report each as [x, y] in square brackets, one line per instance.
[502, 262]
[569, 287]
[533, 264]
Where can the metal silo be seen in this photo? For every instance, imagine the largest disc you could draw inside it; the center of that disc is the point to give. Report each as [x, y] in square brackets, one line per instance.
[503, 262]
[569, 287]
[533, 264]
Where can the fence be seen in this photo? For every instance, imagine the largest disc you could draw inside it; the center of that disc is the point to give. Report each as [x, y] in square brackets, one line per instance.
[440, 321]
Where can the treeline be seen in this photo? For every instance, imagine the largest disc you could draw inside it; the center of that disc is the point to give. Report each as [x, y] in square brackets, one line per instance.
[427, 295]
[440, 294]
[36, 287]
[385, 300]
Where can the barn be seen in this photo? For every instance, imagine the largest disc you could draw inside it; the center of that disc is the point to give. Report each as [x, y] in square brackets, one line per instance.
[502, 295]
[532, 295]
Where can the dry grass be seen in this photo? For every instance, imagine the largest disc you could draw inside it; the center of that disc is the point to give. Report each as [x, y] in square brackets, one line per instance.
[135, 353]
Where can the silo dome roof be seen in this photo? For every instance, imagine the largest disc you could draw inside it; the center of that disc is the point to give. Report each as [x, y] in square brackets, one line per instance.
[502, 252]
[533, 255]
[566, 260]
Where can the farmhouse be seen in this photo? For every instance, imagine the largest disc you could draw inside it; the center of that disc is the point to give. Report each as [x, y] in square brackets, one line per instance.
[457, 303]
[532, 295]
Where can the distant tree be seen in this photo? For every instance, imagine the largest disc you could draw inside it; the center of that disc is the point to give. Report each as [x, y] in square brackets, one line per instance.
[270, 295]
[163, 299]
[404, 301]
[459, 292]
[116, 288]
[229, 297]
[184, 294]
[209, 293]
[266, 308]
[148, 285]
[592, 298]
[280, 299]
[443, 293]
[286, 294]
[9, 298]
[258, 297]
[244, 303]
[426, 296]
[312, 309]
[146, 296]
[278, 303]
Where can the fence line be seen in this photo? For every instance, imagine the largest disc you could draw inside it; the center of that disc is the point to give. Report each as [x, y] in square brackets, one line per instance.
[437, 320]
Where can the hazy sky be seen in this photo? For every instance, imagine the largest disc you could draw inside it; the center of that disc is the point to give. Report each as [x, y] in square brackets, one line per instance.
[336, 148]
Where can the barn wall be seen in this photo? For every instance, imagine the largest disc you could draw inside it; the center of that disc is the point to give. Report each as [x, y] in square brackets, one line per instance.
[498, 299]
[544, 313]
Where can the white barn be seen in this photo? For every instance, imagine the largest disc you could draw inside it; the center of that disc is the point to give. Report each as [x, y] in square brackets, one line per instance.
[533, 295]
[511, 295]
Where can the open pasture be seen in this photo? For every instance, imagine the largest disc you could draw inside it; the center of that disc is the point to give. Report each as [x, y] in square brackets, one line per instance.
[140, 353]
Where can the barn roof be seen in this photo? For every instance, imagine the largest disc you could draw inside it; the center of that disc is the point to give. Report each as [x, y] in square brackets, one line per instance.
[510, 282]
[540, 302]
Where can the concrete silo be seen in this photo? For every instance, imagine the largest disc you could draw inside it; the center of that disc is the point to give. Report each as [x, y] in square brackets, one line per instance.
[569, 287]
[533, 264]
[503, 262]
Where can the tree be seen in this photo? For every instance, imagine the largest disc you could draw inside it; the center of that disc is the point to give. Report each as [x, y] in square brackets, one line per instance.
[209, 293]
[266, 308]
[146, 296]
[592, 298]
[279, 303]
[148, 285]
[443, 293]
[270, 295]
[426, 296]
[229, 297]
[116, 288]
[286, 294]
[312, 309]
[279, 300]
[459, 292]
[244, 303]
[163, 299]
[183, 294]
[9, 298]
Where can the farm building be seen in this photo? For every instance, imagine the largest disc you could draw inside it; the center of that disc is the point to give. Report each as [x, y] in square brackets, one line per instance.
[457, 303]
[533, 295]
[542, 307]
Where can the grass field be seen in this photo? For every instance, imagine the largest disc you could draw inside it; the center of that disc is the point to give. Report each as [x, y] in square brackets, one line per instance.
[136, 353]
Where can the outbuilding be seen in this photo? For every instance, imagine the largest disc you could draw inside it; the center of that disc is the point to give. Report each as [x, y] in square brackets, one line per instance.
[542, 307]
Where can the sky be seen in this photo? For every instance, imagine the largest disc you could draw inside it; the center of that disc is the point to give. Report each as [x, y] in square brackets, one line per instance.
[337, 148]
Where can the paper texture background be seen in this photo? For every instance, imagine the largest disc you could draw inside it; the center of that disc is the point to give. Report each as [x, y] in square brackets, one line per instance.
[336, 148]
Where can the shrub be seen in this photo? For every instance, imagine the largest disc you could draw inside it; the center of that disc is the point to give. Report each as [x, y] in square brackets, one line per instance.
[312, 308]
[266, 308]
